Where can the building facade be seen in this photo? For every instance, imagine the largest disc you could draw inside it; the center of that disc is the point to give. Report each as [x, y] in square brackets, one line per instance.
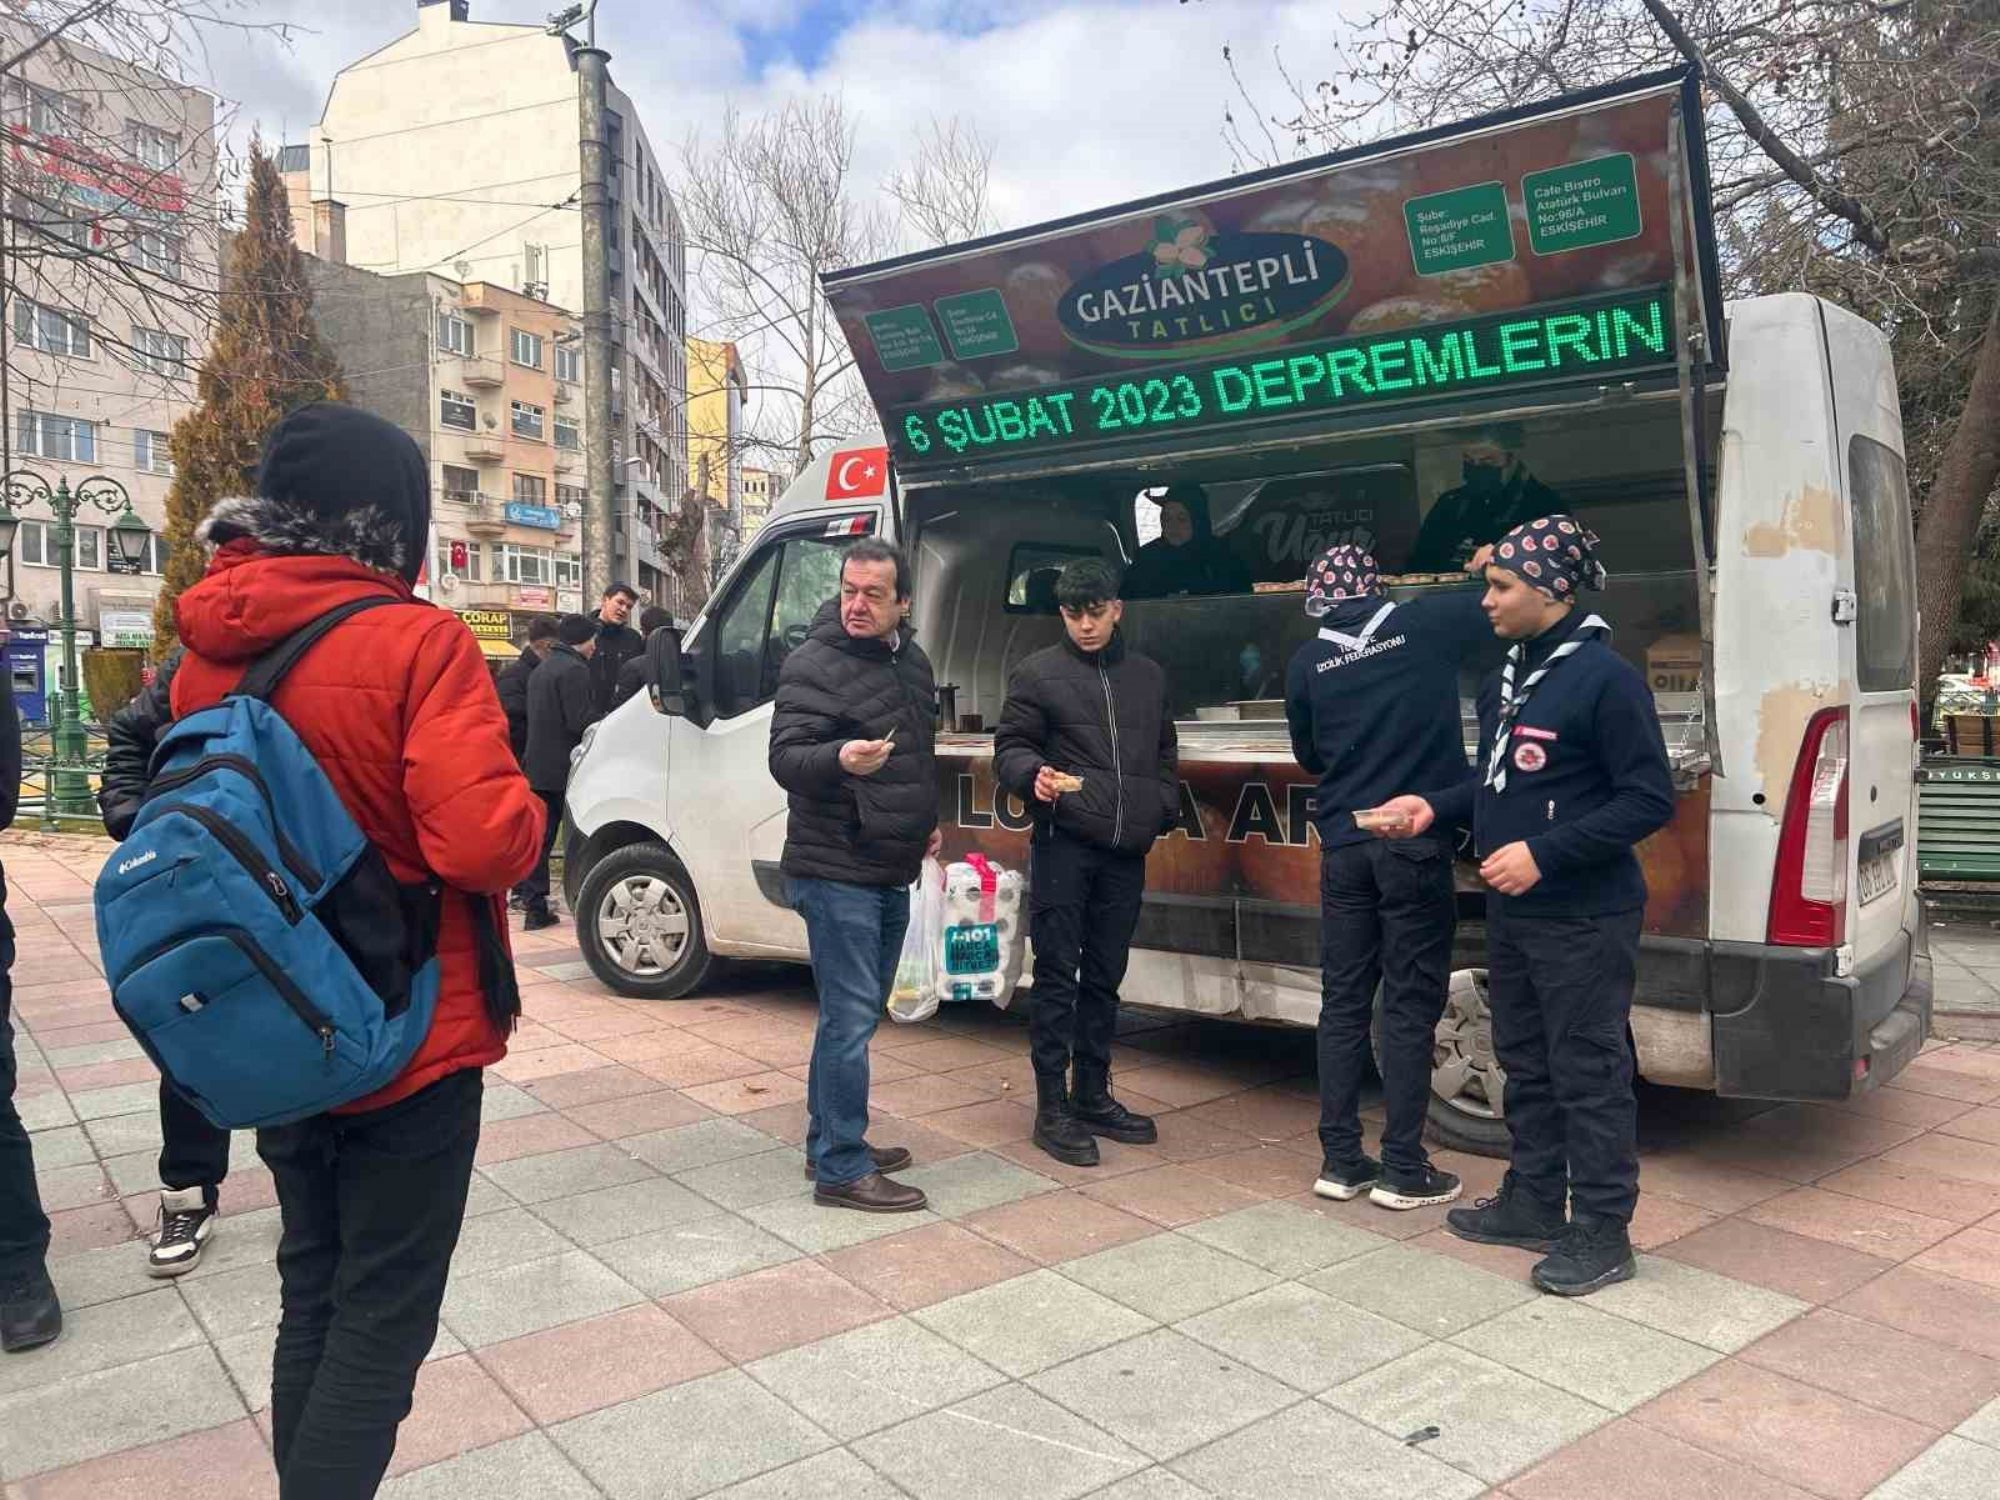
[718, 391]
[454, 150]
[108, 281]
[487, 380]
[762, 489]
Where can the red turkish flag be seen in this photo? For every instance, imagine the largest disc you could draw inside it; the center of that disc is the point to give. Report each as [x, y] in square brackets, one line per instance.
[857, 474]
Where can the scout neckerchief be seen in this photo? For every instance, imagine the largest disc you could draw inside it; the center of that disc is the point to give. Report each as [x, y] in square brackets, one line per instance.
[1511, 703]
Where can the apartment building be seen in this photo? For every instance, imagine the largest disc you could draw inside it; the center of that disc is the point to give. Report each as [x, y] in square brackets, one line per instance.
[718, 391]
[762, 489]
[454, 151]
[108, 280]
[488, 382]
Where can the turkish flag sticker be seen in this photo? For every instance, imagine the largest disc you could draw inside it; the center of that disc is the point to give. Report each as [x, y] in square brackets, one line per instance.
[858, 474]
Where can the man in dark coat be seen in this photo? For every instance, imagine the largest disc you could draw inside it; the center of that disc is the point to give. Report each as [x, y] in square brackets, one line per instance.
[513, 680]
[617, 643]
[1498, 494]
[852, 743]
[560, 708]
[632, 676]
[1086, 740]
[1185, 558]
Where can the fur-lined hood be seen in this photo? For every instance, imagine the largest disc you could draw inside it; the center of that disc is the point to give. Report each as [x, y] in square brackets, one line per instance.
[368, 534]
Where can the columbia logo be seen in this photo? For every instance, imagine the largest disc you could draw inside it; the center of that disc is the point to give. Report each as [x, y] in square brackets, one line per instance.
[127, 866]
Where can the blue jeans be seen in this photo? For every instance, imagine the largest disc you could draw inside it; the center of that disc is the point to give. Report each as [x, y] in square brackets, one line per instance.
[856, 936]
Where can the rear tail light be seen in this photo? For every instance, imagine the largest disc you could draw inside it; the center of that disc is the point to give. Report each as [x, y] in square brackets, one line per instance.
[1809, 891]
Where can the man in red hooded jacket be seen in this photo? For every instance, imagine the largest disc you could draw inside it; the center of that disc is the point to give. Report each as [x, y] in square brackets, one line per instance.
[398, 708]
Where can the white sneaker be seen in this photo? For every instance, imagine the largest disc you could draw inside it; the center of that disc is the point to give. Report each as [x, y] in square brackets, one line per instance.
[181, 1232]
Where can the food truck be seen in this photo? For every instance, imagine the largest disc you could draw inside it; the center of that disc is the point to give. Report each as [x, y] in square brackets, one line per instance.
[1315, 351]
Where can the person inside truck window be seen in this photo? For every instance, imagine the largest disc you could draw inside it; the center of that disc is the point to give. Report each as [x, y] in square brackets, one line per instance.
[1497, 493]
[1256, 678]
[1185, 558]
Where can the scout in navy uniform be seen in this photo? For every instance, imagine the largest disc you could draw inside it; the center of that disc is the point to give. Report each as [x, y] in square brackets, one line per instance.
[1372, 703]
[1572, 774]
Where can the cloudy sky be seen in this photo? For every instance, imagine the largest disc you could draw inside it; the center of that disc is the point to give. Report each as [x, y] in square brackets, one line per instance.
[1086, 103]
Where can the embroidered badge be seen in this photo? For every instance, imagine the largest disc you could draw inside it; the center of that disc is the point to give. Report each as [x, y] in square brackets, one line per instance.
[1529, 756]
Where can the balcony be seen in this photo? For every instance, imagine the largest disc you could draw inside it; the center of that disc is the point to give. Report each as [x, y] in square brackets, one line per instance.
[485, 518]
[565, 393]
[485, 447]
[482, 372]
[479, 298]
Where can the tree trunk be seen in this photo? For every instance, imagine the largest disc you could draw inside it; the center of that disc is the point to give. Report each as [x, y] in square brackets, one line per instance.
[1950, 518]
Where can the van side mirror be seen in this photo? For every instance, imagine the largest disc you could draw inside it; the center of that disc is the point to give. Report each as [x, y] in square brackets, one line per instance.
[666, 672]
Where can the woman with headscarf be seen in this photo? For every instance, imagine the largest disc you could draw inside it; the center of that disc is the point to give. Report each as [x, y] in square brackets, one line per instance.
[1372, 702]
[1185, 558]
[1572, 773]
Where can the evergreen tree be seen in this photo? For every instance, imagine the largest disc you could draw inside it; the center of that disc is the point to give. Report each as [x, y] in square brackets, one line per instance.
[264, 359]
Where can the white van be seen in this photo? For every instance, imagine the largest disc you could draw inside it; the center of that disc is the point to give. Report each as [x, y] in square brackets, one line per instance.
[1754, 520]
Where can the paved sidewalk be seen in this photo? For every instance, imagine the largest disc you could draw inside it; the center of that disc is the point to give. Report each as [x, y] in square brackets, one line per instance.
[646, 1303]
[1965, 957]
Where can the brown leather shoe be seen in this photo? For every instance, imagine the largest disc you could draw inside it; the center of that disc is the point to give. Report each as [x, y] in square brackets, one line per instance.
[887, 1159]
[873, 1194]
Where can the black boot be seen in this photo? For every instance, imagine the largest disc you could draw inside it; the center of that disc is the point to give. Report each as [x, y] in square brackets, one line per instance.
[1057, 1131]
[1100, 1114]
[1512, 1217]
[30, 1314]
[1589, 1254]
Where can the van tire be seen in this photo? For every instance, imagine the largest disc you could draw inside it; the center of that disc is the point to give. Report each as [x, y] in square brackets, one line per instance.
[1460, 1122]
[647, 876]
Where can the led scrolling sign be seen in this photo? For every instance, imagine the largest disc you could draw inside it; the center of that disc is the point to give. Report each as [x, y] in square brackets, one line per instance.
[1597, 336]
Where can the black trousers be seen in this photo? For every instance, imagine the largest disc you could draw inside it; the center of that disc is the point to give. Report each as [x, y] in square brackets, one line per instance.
[534, 891]
[1386, 918]
[193, 1153]
[1561, 994]
[24, 1228]
[1083, 904]
[372, 1205]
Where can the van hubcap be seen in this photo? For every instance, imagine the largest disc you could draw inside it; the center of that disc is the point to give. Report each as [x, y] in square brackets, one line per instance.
[1465, 1074]
[643, 925]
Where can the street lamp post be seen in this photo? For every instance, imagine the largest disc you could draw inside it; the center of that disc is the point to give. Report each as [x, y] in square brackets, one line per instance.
[68, 786]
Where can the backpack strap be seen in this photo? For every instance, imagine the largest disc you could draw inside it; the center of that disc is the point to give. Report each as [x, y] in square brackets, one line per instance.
[267, 671]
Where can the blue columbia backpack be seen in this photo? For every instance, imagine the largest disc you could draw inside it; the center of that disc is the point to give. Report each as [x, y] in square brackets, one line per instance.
[254, 940]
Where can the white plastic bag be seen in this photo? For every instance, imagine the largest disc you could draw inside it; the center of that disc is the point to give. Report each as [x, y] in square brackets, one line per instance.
[914, 995]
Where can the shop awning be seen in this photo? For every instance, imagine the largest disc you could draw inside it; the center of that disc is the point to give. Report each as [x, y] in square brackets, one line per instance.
[507, 650]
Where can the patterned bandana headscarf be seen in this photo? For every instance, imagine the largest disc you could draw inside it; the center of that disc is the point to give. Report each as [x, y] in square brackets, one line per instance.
[1343, 572]
[1555, 555]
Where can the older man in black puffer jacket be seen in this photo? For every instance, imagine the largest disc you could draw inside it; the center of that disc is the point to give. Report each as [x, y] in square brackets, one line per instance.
[852, 742]
[1086, 740]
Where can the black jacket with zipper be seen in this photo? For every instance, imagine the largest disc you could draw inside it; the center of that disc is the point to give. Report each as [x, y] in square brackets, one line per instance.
[129, 738]
[513, 689]
[561, 705]
[1102, 717]
[864, 830]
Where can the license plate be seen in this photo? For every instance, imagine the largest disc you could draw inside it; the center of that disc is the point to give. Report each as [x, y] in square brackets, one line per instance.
[1880, 861]
[1877, 878]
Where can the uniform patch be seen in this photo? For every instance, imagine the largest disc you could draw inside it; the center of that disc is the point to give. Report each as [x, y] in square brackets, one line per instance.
[1529, 756]
[1529, 732]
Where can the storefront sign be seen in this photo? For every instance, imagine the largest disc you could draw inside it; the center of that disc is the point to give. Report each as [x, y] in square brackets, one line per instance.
[125, 627]
[532, 598]
[545, 516]
[488, 624]
[569, 601]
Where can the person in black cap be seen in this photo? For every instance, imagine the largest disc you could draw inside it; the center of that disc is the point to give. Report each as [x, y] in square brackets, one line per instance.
[1185, 558]
[617, 643]
[1572, 773]
[513, 681]
[1497, 493]
[560, 708]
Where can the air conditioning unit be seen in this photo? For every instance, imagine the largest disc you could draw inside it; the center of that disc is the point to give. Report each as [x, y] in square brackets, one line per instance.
[18, 610]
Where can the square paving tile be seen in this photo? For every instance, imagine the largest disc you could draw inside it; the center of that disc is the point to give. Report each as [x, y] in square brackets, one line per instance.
[1491, 1421]
[994, 1122]
[579, 1367]
[1960, 1313]
[1172, 1195]
[1296, 1454]
[616, 1213]
[1302, 1337]
[1872, 1228]
[235, 1302]
[834, 1475]
[494, 1306]
[1032, 1322]
[1005, 1444]
[220, 1463]
[692, 1254]
[819, 1230]
[561, 1174]
[1284, 1238]
[922, 1266]
[637, 1114]
[527, 1135]
[1163, 1393]
[874, 1377]
[1951, 1469]
[101, 1275]
[1947, 1156]
[684, 1148]
[1059, 1226]
[95, 1338]
[744, 1181]
[696, 1064]
[1800, 1266]
[60, 1421]
[1433, 1294]
[1885, 1368]
[754, 1091]
[770, 1310]
[506, 1237]
[974, 1181]
[1152, 1484]
[689, 1439]
[1983, 1426]
[1168, 1277]
[1917, 1191]
[1697, 1305]
[1793, 1432]
[457, 1407]
[1631, 1462]
[529, 1467]
[1970, 1255]
[1604, 1359]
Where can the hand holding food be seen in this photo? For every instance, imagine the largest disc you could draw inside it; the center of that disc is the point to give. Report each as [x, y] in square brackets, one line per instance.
[1051, 784]
[864, 757]
[1398, 818]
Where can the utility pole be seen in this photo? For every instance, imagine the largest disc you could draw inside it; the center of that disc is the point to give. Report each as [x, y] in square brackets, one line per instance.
[600, 528]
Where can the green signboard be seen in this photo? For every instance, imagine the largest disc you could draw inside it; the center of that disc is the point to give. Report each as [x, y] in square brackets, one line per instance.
[1455, 231]
[977, 325]
[1582, 204]
[1595, 337]
[904, 338]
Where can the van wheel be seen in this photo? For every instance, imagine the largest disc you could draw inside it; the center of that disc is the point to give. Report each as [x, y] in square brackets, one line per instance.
[1467, 1082]
[639, 924]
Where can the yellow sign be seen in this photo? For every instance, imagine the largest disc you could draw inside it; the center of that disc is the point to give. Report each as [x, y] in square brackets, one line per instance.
[488, 624]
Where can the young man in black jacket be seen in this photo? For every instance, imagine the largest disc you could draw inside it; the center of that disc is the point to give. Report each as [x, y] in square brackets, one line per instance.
[617, 643]
[852, 742]
[513, 681]
[1372, 703]
[561, 705]
[1572, 774]
[1086, 711]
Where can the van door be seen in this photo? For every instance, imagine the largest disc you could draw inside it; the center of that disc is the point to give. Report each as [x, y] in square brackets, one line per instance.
[1879, 647]
[728, 814]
